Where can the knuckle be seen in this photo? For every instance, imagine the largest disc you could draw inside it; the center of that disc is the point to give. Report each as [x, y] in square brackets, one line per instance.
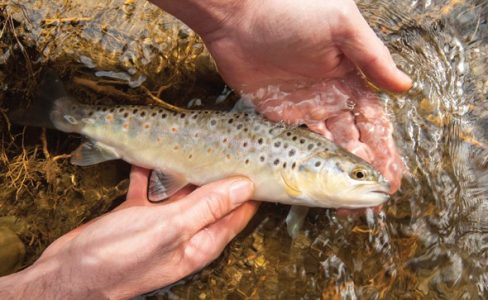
[215, 206]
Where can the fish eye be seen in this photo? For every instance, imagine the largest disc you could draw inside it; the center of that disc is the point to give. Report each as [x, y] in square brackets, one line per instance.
[359, 174]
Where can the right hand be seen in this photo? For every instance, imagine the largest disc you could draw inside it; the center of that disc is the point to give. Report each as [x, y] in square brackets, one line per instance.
[299, 61]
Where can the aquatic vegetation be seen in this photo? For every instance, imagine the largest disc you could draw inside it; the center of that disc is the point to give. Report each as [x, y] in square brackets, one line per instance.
[428, 242]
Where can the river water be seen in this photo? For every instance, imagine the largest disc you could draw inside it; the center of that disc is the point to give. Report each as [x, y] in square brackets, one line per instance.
[430, 241]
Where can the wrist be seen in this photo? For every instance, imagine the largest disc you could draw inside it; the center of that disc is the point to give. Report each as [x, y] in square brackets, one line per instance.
[203, 16]
[37, 281]
[43, 280]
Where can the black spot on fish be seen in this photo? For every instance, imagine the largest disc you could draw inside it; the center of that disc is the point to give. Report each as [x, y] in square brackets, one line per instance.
[112, 110]
[213, 122]
[285, 146]
[270, 131]
[261, 158]
[277, 144]
[239, 127]
[160, 110]
[284, 165]
[194, 116]
[182, 115]
[244, 144]
[246, 129]
[339, 167]
[288, 133]
[230, 121]
[317, 164]
[126, 115]
[174, 114]
[260, 141]
[135, 111]
[90, 113]
[163, 116]
[121, 109]
[302, 141]
[190, 156]
[291, 153]
[310, 146]
[319, 144]
[276, 162]
[104, 109]
[293, 165]
[154, 114]
[143, 113]
[294, 138]
[247, 161]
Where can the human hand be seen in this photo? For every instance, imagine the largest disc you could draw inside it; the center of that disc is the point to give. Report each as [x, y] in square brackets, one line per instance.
[141, 246]
[285, 42]
[297, 61]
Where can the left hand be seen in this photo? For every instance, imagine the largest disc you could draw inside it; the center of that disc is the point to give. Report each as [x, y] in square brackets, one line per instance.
[141, 246]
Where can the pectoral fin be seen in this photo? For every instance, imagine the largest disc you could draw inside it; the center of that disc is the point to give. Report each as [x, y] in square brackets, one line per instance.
[162, 186]
[295, 218]
[91, 153]
[290, 187]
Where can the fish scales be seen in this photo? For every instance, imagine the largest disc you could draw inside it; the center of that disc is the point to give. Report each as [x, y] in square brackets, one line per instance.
[286, 163]
[211, 144]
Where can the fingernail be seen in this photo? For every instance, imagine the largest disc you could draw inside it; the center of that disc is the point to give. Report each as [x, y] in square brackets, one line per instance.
[240, 191]
[406, 80]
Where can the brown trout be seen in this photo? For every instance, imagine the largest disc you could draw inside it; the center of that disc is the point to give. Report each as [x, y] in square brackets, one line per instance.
[287, 164]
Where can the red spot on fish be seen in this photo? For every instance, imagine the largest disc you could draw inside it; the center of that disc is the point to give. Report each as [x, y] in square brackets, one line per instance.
[174, 129]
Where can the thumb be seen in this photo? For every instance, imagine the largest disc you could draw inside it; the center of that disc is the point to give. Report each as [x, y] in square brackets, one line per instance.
[361, 45]
[212, 202]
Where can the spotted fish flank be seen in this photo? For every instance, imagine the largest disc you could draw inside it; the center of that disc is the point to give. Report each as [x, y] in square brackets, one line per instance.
[287, 164]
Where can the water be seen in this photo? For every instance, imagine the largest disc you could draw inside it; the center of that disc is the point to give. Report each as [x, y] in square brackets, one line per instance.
[431, 240]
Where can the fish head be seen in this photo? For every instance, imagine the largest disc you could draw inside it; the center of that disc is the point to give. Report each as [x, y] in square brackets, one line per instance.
[340, 180]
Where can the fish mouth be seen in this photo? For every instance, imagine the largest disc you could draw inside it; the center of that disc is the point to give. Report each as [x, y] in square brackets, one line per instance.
[383, 195]
[381, 192]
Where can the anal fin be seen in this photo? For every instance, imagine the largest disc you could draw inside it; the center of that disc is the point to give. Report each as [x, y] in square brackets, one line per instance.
[91, 153]
[294, 219]
[162, 185]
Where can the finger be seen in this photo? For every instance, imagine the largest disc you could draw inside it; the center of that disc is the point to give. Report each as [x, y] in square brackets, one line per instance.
[361, 45]
[138, 182]
[212, 202]
[345, 134]
[209, 242]
[320, 128]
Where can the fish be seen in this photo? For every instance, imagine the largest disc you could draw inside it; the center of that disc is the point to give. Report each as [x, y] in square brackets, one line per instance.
[287, 164]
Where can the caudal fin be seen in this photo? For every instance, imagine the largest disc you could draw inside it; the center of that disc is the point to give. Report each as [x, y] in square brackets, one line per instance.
[46, 110]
